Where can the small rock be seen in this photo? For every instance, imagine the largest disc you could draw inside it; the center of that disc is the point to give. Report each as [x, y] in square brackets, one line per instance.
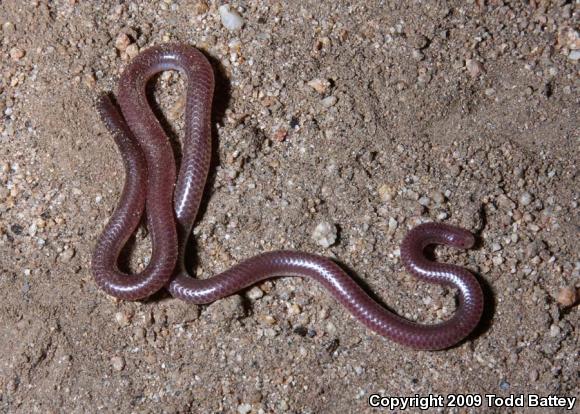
[497, 260]
[330, 328]
[244, 408]
[118, 363]
[132, 50]
[16, 53]
[505, 203]
[268, 319]
[255, 293]
[200, 7]
[325, 234]
[567, 296]
[474, 67]
[122, 41]
[280, 134]
[123, 318]
[329, 101]
[525, 198]
[226, 310]
[424, 201]
[319, 85]
[417, 55]
[438, 197]
[294, 309]
[574, 55]
[495, 247]
[419, 41]
[386, 192]
[231, 19]
[554, 331]
[67, 255]
[180, 312]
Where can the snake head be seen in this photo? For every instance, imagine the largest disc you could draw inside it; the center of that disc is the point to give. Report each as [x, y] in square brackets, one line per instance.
[460, 238]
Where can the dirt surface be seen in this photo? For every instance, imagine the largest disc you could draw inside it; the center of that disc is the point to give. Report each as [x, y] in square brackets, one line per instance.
[369, 116]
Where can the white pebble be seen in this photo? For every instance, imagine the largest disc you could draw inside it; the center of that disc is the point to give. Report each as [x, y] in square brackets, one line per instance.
[118, 363]
[554, 331]
[325, 234]
[474, 67]
[231, 19]
[255, 293]
[495, 247]
[497, 260]
[123, 318]
[574, 55]
[244, 408]
[329, 101]
[424, 201]
[526, 198]
[393, 224]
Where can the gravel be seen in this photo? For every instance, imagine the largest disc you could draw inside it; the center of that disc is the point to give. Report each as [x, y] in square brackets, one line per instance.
[325, 234]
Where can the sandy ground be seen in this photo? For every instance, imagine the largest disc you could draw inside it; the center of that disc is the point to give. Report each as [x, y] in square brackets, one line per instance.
[371, 116]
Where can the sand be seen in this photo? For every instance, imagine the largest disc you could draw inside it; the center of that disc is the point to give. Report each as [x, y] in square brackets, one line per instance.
[369, 116]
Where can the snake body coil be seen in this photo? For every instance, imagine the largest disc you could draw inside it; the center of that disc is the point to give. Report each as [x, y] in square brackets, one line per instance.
[171, 211]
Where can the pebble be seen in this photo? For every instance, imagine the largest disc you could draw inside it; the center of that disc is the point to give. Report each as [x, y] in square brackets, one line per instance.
[244, 408]
[554, 331]
[424, 201]
[255, 293]
[132, 50]
[567, 296]
[67, 255]
[122, 41]
[280, 134]
[505, 203]
[231, 19]
[417, 55]
[180, 312]
[574, 55]
[227, 309]
[386, 192]
[497, 260]
[294, 309]
[495, 247]
[504, 385]
[16, 53]
[118, 363]
[329, 101]
[201, 7]
[525, 198]
[319, 85]
[438, 197]
[123, 318]
[325, 234]
[474, 67]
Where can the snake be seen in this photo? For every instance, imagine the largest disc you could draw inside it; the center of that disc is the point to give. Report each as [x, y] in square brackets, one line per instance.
[170, 199]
